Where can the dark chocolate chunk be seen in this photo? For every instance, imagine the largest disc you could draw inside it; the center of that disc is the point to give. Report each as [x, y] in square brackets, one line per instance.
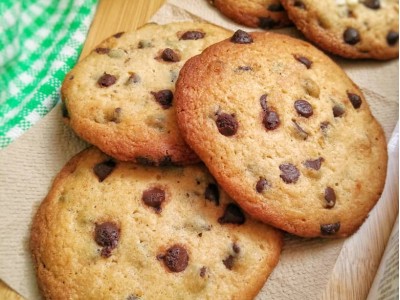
[212, 193]
[373, 4]
[106, 80]
[263, 102]
[354, 99]
[338, 110]
[299, 4]
[145, 161]
[169, 55]
[164, 98]
[303, 108]
[271, 120]
[241, 37]
[203, 271]
[176, 258]
[300, 131]
[103, 169]
[64, 110]
[106, 235]
[232, 215]
[290, 174]
[119, 34]
[102, 50]
[330, 229]
[351, 36]
[192, 35]
[154, 197]
[236, 248]
[330, 197]
[262, 183]
[227, 124]
[392, 37]
[314, 164]
[304, 60]
[228, 262]
[267, 22]
[275, 7]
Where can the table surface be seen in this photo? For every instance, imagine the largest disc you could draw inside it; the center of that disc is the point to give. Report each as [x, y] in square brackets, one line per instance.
[108, 12]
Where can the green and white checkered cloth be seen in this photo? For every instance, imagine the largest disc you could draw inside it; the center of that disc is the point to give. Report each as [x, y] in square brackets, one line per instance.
[40, 40]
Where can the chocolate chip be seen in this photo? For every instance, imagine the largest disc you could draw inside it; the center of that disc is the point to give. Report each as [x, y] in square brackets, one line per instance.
[106, 235]
[299, 4]
[203, 271]
[119, 34]
[154, 197]
[314, 164]
[263, 102]
[275, 7]
[245, 68]
[228, 262]
[338, 110]
[144, 44]
[330, 229]
[212, 193]
[133, 297]
[192, 35]
[241, 37]
[303, 108]
[324, 126]
[267, 22]
[351, 36]
[262, 183]
[354, 99]
[164, 98]
[102, 50]
[169, 55]
[145, 161]
[300, 131]
[330, 197]
[290, 174]
[106, 80]
[176, 258]
[116, 118]
[304, 60]
[64, 110]
[166, 161]
[392, 37]
[236, 248]
[233, 215]
[271, 120]
[373, 4]
[103, 169]
[133, 78]
[227, 124]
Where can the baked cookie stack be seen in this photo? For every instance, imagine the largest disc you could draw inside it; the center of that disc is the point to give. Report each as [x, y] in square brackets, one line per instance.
[287, 140]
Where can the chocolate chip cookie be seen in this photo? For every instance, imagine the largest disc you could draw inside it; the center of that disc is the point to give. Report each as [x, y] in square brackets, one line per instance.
[349, 28]
[285, 132]
[116, 230]
[266, 14]
[121, 97]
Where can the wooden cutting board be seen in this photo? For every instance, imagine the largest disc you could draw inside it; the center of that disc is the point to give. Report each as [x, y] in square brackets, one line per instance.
[111, 16]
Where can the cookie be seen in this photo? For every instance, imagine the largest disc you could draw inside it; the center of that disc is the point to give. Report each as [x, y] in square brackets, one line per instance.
[266, 14]
[285, 132]
[349, 28]
[116, 230]
[121, 97]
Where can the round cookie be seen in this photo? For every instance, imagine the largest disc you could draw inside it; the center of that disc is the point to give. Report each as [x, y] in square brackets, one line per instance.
[285, 132]
[349, 28]
[266, 14]
[120, 97]
[111, 230]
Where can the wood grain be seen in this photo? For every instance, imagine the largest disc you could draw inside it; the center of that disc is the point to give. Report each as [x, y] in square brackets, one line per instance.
[111, 16]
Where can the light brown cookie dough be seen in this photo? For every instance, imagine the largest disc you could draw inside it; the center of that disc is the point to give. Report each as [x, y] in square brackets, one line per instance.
[120, 97]
[285, 132]
[266, 14]
[116, 230]
[349, 28]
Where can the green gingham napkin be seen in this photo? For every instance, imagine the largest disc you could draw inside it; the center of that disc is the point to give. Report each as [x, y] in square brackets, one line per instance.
[40, 40]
